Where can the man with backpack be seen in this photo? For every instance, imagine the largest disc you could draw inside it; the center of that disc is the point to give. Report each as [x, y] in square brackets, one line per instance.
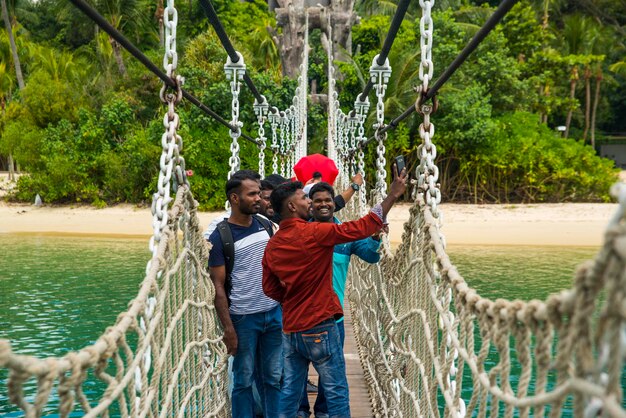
[252, 322]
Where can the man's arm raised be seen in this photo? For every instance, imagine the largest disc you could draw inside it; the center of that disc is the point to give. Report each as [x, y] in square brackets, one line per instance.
[328, 234]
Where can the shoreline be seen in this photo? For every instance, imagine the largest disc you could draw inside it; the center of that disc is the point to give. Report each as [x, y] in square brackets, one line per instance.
[548, 224]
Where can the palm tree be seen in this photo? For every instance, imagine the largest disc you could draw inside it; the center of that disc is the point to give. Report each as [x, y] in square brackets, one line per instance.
[578, 37]
[572, 95]
[546, 6]
[127, 16]
[16, 63]
[16, 58]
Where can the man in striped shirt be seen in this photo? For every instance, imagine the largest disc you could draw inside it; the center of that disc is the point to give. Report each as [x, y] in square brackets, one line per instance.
[252, 321]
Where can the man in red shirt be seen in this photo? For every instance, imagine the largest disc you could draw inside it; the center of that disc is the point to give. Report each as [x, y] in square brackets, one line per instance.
[297, 272]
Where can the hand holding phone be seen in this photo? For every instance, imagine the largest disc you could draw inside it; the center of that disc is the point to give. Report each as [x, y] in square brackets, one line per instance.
[398, 185]
[400, 165]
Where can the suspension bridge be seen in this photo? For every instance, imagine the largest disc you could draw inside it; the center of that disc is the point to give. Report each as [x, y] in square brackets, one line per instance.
[428, 344]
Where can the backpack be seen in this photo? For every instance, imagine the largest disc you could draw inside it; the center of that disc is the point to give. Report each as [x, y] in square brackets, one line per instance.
[228, 243]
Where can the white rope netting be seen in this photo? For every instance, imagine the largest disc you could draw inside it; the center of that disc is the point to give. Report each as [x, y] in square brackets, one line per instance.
[422, 332]
[163, 357]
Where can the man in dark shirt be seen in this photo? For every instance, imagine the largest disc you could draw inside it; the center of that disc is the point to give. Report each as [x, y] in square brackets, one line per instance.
[297, 272]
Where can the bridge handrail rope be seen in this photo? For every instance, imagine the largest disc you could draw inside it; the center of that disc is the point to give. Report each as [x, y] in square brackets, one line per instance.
[577, 337]
[410, 365]
[169, 332]
[164, 356]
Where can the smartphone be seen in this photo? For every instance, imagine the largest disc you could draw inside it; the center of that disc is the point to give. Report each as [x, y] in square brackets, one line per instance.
[400, 164]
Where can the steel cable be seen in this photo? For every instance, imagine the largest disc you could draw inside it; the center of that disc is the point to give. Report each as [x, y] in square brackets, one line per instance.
[135, 52]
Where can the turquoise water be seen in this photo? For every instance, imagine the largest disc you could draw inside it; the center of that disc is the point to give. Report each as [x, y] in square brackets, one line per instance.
[58, 294]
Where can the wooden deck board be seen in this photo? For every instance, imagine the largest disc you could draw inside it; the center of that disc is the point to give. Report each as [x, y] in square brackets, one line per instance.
[360, 406]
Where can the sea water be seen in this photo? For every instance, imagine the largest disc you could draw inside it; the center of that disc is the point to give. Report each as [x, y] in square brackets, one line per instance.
[58, 294]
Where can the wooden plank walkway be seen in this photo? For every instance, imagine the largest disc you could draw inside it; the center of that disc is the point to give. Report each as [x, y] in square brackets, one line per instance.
[360, 406]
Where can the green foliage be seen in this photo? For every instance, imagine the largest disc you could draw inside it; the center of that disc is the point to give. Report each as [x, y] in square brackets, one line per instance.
[86, 133]
[525, 161]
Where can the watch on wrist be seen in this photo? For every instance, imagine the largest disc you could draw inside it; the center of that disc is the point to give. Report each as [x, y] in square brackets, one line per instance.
[355, 187]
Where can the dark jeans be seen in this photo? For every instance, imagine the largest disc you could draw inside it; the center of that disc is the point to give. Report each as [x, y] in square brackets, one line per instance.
[320, 345]
[259, 348]
[320, 408]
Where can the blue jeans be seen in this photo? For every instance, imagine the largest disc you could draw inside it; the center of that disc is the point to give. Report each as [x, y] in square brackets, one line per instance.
[259, 347]
[320, 408]
[258, 410]
[320, 345]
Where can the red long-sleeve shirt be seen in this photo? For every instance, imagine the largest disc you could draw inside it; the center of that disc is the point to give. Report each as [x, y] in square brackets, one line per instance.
[300, 255]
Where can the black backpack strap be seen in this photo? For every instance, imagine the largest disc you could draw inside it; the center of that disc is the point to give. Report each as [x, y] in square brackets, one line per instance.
[266, 224]
[228, 244]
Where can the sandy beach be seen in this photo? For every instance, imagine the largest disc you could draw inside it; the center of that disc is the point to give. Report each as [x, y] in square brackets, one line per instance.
[566, 224]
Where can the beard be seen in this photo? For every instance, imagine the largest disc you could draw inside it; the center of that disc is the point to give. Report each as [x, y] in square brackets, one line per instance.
[249, 210]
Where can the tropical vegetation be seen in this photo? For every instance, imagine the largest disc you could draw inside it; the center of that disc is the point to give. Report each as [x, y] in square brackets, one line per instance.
[82, 119]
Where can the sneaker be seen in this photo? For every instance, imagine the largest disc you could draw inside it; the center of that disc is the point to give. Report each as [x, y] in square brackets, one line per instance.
[310, 387]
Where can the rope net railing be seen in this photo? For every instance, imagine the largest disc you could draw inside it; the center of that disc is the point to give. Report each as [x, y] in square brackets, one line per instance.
[431, 346]
[163, 357]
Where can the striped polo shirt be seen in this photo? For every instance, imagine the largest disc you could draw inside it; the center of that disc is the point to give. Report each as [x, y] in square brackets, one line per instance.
[247, 295]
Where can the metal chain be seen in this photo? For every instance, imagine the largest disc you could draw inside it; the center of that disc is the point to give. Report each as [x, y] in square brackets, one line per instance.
[352, 126]
[426, 43]
[261, 110]
[381, 166]
[332, 104]
[171, 165]
[361, 108]
[361, 168]
[273, 118]
[304, 84]
[428, 172]
[234, 73]
[283, 128]
[380, 74]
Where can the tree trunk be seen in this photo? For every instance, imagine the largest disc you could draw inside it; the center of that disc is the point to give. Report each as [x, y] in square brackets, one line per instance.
[117, 53]
[159, 17]
[290, 17]
[10, 165]
[16, 58]
[587, 102]
[596, 99]
[572, 95]
[546, 93]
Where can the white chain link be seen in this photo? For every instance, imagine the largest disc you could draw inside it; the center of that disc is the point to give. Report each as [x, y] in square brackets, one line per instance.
[381, 167]
[171, 165]
[428, 172]
[380, 74]
[283, 128]
[426, 43]
[234, 73]
[274, 118]
[261, 111]
[361, 108]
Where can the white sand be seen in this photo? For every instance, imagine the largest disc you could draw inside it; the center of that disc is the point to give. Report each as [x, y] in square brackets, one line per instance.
[539, 224]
